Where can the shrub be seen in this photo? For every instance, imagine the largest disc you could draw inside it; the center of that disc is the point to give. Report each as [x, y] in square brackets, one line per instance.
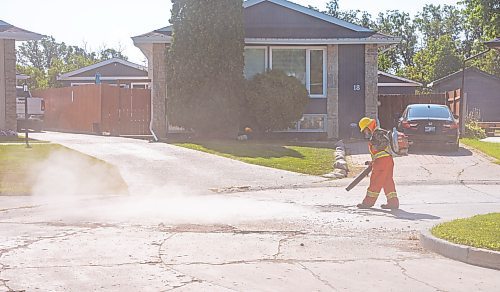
[472, 129]
[274, 101]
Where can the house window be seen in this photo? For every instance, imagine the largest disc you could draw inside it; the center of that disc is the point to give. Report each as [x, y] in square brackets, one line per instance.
[255, 61]
[139, 85]
[313, 123]
[306, 64]
[291, 61]
[316, 73]
[310, 123]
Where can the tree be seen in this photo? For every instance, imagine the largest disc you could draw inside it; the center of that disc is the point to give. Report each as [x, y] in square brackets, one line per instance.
[274, 101]
[438, 59]
[482, 18]
[362, 18]
[399, 24]
[482, 23]
[109, 53]
[205, 64]
[38, 78]
[434, 22]
[46, 59]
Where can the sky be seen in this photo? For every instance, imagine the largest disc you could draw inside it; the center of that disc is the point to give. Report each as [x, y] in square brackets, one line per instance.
[111, 23]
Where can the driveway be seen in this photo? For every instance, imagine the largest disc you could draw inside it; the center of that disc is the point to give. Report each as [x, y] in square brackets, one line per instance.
[193, 221]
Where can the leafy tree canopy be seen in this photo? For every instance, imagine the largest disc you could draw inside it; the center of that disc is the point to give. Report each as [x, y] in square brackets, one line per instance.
[45, 59]
[453, 31]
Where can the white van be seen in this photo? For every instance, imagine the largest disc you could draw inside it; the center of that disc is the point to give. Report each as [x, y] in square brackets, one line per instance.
[36, 111]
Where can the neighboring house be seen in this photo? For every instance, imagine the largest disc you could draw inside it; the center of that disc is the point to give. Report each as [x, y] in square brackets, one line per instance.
[113, 71]
[493, 44]
[21, 77]
[334, 59]
[9, 34]
[482, 89]
[392, 84]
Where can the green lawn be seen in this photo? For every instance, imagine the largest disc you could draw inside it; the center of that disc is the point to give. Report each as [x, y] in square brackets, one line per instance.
[481, 231]
[314, 159]
[16, 161]
[491, 149]
[19, 139]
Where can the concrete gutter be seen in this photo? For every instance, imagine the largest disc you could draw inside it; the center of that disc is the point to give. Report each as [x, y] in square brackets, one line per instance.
[470, 255]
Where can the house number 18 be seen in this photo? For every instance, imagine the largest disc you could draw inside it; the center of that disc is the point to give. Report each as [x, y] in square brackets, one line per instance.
[357, 87]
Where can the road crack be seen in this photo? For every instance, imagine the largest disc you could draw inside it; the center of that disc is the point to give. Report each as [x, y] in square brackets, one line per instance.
[317, 277]
[429, 173]
[283, 240]
[18, 208]
[405, 273]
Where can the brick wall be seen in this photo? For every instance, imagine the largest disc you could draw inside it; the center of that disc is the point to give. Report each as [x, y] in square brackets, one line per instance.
[8, 84]
[333, 91]
[371, 80]
[158, 75]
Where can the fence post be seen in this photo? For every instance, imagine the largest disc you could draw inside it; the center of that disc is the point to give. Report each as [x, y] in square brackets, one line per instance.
[463, 114]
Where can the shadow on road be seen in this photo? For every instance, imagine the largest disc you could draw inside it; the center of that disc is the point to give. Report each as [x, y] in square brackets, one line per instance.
[428, 150]
[400, 214]
[360, 147]
[397, 214]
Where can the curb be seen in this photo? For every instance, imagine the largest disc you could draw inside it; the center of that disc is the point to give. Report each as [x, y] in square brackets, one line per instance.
[470, 255]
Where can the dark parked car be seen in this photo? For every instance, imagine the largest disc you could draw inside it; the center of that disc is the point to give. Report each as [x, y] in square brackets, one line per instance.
[431, 124]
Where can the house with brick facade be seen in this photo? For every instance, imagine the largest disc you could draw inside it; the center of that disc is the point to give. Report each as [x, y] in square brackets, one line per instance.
[335, 60]
[9, 34]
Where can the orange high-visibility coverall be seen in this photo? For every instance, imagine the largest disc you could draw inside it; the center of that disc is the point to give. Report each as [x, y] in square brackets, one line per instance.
[382, 174]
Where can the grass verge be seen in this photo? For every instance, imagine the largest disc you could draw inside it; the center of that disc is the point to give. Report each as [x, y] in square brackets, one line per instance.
[480, 231]
[313, 159]
[491, 149]
[19, 165]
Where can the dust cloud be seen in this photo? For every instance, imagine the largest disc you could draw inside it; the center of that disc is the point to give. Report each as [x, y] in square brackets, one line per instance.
[69, 187]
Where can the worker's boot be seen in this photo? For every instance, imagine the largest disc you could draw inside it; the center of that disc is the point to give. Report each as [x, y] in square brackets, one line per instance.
[392, 203]
[367, 203]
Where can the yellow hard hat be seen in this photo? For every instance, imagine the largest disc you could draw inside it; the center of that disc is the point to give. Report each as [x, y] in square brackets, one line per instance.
[364, 122]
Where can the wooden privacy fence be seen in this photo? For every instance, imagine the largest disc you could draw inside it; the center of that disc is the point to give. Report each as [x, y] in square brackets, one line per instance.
[99, 109]
[453, 99]
[392, 105]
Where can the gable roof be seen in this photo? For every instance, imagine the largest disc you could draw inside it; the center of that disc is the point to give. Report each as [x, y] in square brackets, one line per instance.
[400, 81]
[162, 36]
[358, 35]
[69, 75]
[458, 74]
[8, 31]
[310, 12]
[20, 76]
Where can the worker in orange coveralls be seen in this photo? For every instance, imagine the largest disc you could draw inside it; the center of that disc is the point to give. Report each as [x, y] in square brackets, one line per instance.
[382, 164]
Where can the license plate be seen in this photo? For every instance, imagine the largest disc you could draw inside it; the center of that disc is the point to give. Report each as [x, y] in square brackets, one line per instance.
[430, 129]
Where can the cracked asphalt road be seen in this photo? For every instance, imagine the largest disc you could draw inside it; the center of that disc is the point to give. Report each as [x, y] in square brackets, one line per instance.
[195, 222]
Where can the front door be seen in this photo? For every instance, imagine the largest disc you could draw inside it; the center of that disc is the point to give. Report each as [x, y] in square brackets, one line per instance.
[351, 88]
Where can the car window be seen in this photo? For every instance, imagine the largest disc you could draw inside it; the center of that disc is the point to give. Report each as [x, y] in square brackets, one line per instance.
[429, 112]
